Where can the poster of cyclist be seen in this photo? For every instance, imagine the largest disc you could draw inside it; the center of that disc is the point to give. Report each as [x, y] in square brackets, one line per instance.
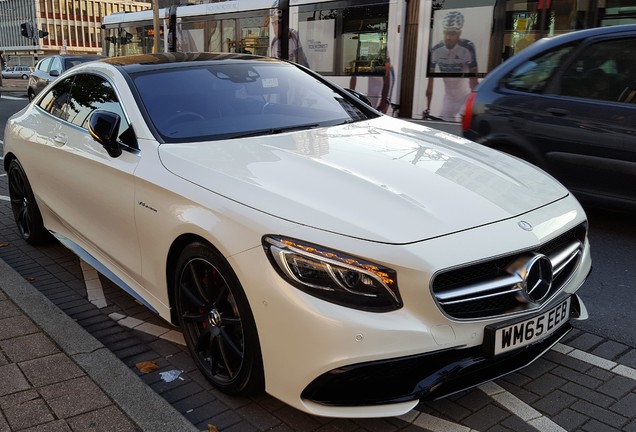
[459, 47]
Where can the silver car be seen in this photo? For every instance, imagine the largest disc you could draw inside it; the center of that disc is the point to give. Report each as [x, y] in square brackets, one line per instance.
[22, 72]
[50, 68]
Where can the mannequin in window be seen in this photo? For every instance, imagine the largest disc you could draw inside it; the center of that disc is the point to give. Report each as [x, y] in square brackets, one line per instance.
[296, 53]
[379, 87]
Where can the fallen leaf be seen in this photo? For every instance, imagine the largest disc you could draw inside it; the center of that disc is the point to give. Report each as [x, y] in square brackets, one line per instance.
[4, 244]
[147, 366]
[212, 428]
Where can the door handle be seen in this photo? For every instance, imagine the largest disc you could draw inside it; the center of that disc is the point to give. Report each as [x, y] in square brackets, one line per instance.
[559, 112]
[60, 139]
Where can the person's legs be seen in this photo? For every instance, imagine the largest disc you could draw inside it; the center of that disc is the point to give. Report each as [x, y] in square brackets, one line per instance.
[452, 107]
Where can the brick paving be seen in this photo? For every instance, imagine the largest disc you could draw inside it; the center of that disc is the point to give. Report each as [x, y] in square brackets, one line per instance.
[568, 392]
[42, 388]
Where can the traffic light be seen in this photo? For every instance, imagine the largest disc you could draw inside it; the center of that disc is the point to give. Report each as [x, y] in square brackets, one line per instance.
[172, 29]
[26, 29]
[126, 38]
[123, 39]
[42, 33]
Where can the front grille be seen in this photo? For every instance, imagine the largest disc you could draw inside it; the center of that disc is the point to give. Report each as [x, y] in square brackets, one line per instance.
[489, 288]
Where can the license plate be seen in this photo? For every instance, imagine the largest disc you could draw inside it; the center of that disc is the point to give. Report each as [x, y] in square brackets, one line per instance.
[531, 330]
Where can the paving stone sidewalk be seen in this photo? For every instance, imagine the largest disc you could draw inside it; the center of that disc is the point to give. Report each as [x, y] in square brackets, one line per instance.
[54, 376]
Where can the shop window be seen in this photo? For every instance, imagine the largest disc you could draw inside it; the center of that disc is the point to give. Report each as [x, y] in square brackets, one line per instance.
[254, 35]
[369, 55]
[245, 34]
[221, 35]
[351, 40]
[617, 12]
[529, 21]
[130, 40]
[190, 36]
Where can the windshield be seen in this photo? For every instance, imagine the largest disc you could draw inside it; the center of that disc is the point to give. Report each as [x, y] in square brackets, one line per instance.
[230, 100]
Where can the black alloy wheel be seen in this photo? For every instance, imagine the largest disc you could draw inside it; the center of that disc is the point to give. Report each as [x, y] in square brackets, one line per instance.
[25, 210]
[217, 322]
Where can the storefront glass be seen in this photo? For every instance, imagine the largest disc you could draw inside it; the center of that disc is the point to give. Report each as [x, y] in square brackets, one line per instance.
[345, 39]
[235, 33]
[617, 12]
[131, 39]
[528, 21]
[349, 39]
[240, 32]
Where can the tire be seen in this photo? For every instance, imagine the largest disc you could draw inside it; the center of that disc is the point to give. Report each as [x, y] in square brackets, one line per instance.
[25, 209]
[25, 76]
[31, 94]
[217, 322]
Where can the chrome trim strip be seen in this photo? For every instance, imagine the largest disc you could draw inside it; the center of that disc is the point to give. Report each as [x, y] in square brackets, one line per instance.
[472, 299]
[476, 289]
[562, 258]
[507, 285]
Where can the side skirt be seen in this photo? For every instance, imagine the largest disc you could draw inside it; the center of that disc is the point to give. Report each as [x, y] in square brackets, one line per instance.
[83, 254]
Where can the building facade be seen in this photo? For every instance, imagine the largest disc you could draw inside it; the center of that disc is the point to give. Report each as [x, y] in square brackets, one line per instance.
[382, 48]
[66, 26]
[386, 49]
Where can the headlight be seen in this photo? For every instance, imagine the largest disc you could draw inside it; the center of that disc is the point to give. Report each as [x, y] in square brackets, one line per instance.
[334, 276]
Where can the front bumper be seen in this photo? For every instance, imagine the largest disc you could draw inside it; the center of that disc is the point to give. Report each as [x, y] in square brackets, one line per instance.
[328, 360]
[425, 376]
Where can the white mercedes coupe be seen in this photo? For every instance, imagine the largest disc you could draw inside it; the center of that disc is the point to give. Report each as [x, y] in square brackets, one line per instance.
[346, 262]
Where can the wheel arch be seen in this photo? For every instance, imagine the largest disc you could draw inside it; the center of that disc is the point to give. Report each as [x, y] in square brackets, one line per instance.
[7, 160]
[175, 250]
[177, 246]
[515, 146]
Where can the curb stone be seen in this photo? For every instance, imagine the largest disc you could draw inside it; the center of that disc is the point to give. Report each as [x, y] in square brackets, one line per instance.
[143, 405]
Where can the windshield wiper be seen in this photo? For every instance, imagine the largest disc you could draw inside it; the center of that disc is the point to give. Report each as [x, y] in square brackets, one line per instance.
[274, 131]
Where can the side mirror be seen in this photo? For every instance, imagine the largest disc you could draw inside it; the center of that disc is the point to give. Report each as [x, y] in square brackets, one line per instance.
[360, 96]
[54, 73]
[104, 127]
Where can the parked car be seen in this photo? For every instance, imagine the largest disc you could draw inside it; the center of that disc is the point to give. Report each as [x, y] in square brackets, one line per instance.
[50, 68]
[347, 262]
[22, 72]
[568, 105]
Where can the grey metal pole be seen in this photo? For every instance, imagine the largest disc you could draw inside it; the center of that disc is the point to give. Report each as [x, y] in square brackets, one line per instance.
[155, 25]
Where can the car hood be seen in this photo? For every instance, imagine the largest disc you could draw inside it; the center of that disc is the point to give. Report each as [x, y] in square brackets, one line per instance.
[383, 180]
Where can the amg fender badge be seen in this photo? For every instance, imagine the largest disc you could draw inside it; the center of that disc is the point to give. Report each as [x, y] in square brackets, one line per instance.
[143, 204]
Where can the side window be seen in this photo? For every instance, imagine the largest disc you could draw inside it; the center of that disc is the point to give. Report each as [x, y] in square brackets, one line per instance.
[44, 64]
[90, 93]
[56, 98]
[68, 63]
[56, 65]
[605, 71]
[533, 75]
